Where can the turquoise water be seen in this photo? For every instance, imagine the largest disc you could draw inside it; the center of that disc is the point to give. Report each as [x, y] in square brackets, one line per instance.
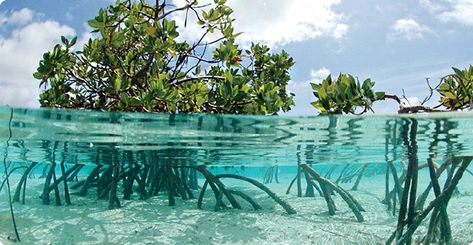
[340, 148]
[228, 139]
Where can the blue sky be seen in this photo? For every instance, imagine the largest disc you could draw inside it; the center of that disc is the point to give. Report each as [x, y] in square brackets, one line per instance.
[396, 43]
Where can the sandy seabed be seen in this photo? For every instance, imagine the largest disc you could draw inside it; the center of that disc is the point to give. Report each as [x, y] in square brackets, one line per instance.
[88, 221]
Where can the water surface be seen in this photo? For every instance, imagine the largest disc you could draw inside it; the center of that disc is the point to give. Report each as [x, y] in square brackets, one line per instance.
[228, 139]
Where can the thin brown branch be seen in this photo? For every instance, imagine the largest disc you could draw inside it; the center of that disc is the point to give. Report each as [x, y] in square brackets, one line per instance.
[392, 97]
[204, 60]
[188, 6]
[431, 90]
[416, 109]
[188, 79]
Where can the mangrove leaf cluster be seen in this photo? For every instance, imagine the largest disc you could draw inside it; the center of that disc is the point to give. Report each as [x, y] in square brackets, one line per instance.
[138, 62]
[456, 90]
[344, 95]
[347, 95]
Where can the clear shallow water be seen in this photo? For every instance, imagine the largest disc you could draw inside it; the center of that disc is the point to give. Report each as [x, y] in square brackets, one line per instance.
[82, 136]
[340, 148]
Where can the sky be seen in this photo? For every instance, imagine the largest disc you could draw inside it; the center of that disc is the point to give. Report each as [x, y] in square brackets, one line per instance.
[398, 44]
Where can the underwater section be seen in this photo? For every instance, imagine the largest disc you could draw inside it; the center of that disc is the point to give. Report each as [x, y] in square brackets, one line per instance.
[133, 177]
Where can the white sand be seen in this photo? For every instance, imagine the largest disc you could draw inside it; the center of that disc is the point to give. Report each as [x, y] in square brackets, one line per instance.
[88, 221]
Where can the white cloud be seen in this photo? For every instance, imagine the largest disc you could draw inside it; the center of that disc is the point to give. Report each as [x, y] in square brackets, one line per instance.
[279, 22]
[410, 102]
[316, 76]
[432, 7]
[21, 17]
[21, 51]
[409, 29]
[461, 11]
[340, 31]
[16, 18]
[1, 1]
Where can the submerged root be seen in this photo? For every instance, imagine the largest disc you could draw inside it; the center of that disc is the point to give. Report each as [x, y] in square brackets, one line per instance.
[271, 173]
[360, 175]
[218, 188]
[326, 189]
[22, 183]
[437, 207]
[325, 184]
[247, 198]
[392, 197]
[261, 186]
[310, 185]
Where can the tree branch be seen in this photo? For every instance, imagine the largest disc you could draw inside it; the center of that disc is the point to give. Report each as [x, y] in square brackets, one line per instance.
[392, 97]
[415, 109]
[187, 79]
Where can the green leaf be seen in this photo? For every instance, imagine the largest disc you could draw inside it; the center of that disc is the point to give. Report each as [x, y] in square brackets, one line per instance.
[38, 75]
[322, 93]
[315, 86]
[95, 24]
[73, 41]
[117, 84]
[459, 72]
[380, 95]
[118, 39]
[450, 95]
[134, 102]
[124, 98]
[64, 40]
